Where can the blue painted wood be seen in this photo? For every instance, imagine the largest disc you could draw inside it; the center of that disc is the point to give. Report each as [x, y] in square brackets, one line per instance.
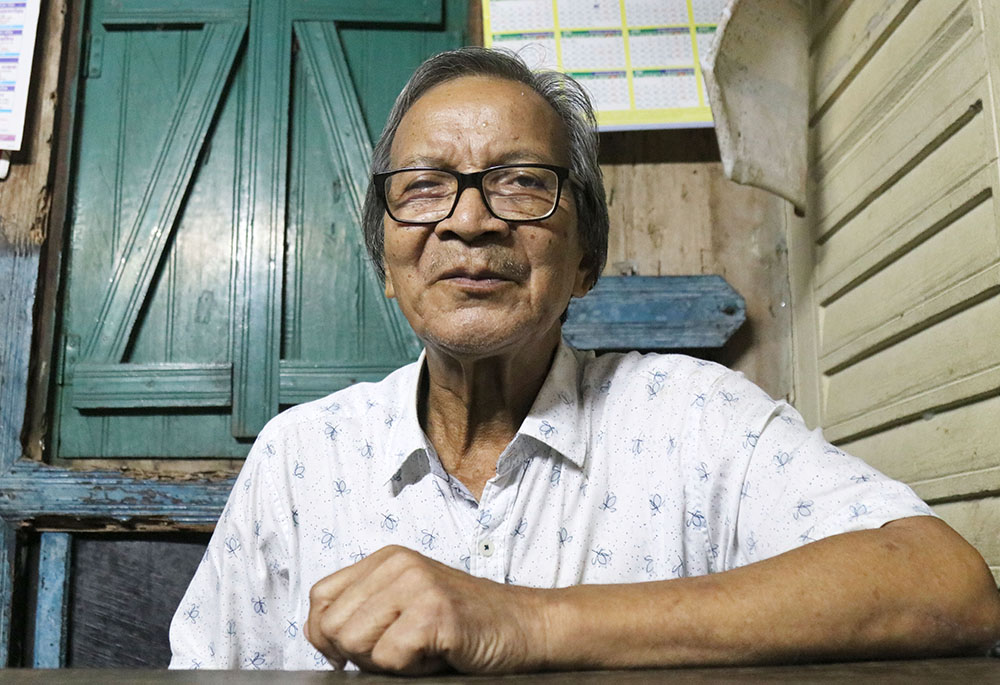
[655, 313]
[57, 497]
[8, 546]
[32, 491]
[55, 555]
[35, 491]
[18, 276]
[18, 273]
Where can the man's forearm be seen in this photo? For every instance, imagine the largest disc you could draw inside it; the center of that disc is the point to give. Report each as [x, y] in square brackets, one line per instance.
[911, 587]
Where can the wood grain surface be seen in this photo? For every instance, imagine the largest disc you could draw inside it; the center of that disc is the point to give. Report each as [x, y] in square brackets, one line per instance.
[124, 593]
[908, 672]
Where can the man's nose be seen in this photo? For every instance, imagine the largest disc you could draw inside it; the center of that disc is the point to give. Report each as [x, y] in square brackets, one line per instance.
[471, 218]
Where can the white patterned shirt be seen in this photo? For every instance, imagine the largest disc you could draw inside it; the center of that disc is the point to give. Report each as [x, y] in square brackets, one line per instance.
[628, 468]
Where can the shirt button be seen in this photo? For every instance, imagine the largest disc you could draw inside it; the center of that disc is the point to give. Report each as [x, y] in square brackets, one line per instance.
[486, 548]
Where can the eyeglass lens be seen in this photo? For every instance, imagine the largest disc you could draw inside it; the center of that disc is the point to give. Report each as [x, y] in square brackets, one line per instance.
[512, 193]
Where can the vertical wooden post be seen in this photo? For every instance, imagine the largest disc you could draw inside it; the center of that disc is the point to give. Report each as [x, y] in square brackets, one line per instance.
[53, 600]
[18, 274]
[260, 247]
[8, 547]
[24, 198]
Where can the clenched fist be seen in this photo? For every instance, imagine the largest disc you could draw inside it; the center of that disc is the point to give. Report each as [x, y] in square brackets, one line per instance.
[399, 611]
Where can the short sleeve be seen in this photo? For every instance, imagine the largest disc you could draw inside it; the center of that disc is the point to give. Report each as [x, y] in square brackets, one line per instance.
[230, 615]
[782, 485]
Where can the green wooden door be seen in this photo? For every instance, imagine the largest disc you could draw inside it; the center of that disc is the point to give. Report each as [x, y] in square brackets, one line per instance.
[216, 269]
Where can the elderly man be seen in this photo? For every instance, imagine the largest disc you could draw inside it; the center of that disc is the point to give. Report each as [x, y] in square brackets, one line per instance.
[508, 503]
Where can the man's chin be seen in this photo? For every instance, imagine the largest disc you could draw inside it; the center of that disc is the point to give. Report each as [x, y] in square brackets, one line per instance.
[471, 345]
[472, 341]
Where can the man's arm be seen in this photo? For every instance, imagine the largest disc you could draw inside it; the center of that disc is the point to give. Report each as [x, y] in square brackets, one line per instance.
[233, 612]
[913, 587]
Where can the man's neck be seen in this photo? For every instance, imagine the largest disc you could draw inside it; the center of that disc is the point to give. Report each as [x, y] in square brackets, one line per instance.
[471, 409]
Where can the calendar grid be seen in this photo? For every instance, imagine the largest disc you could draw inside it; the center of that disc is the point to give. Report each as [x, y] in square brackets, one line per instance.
[638, 59]
[628, 55]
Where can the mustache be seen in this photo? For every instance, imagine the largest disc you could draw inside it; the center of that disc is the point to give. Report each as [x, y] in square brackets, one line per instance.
[492, 259]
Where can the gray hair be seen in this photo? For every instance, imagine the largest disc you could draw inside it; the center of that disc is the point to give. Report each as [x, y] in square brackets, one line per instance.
[566, 97]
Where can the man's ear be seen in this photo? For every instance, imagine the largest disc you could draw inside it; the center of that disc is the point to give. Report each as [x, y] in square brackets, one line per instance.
[585, 279]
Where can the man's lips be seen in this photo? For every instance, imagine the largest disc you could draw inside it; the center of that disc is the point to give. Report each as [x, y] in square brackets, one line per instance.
[475, 275]
[486, 267]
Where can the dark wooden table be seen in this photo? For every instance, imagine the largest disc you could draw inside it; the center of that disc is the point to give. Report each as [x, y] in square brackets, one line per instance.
[975, 670]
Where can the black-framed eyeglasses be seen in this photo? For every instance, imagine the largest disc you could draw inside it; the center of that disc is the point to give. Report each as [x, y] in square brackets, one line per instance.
[512, 192]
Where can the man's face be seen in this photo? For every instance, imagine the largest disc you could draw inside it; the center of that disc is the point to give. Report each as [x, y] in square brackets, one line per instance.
[473, 284]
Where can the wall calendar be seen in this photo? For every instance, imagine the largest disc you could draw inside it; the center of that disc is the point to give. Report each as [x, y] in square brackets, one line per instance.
[638, 59]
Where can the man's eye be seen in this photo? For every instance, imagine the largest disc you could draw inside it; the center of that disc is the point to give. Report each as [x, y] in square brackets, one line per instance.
[423, 184]
[422, 187]
[521, 179]
[529, 181]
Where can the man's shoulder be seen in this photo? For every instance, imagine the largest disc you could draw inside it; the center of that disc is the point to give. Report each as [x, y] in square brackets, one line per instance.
[678, 383]
[636, 367]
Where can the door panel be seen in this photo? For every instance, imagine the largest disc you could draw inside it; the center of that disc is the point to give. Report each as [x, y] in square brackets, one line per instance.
[149, 268]
[216, 265]
[151, 194]
[341, 316]
[378, 80]
[187, 315]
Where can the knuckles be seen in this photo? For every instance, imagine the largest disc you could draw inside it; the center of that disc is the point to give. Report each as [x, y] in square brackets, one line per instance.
[417, 577]
[316, 596]
[403, 558]
[394, 552]
[430, 595]
[351, 642]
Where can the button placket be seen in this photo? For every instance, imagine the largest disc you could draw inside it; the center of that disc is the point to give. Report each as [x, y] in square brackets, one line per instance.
[488, 543]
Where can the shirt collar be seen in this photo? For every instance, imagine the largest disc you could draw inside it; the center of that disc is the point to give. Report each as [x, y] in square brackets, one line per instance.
[406, 437]
[556, 418]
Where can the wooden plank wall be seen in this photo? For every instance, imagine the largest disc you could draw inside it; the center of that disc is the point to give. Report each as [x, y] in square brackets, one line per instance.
[897, 312]
[26, 195]
[673, 212]
[124, 592]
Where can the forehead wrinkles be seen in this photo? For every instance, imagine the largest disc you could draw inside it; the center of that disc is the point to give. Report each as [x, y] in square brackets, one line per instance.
[440, 135]
[480, 119]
